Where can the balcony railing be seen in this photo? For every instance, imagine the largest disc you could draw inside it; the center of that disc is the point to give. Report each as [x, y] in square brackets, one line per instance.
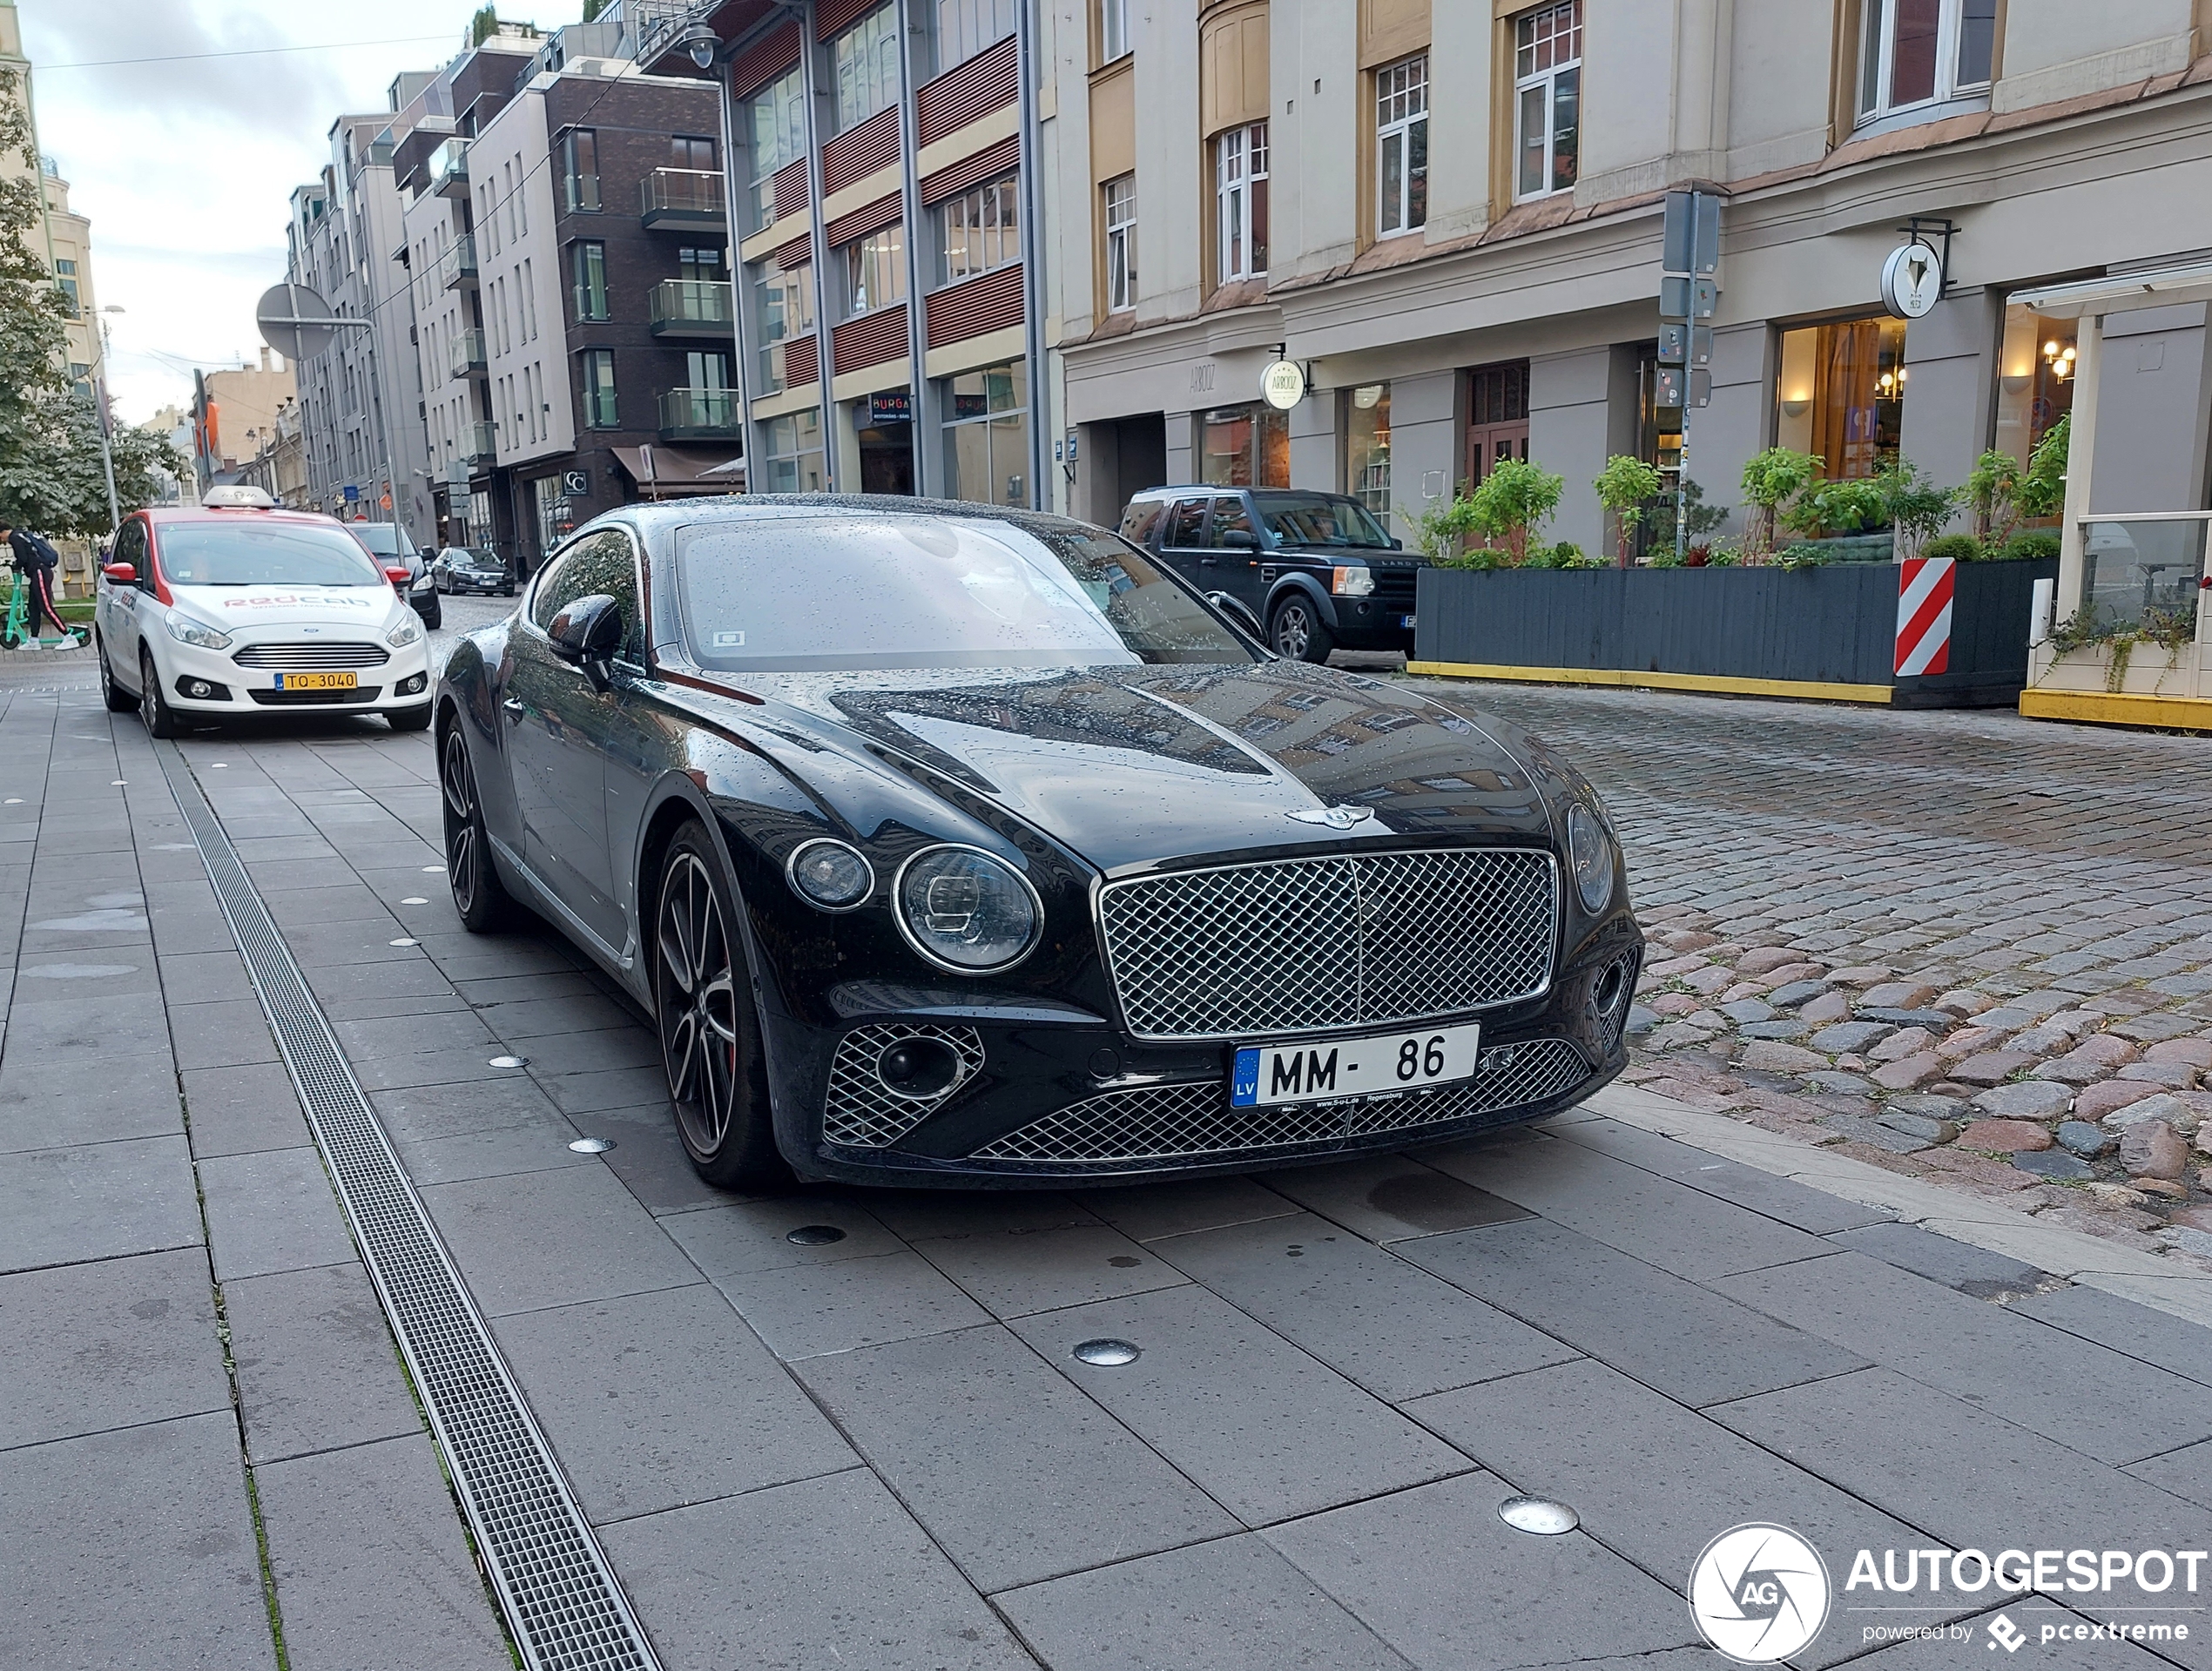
[689, 307]
[459, 266]
[681, 198]
[480, 443]
[698, 413]
[449, 168]
[467, 353]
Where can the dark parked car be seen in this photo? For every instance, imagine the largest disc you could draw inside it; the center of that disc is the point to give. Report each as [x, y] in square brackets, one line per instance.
[1317, 570]
[391, 548]
[461, 568]
[951, 845]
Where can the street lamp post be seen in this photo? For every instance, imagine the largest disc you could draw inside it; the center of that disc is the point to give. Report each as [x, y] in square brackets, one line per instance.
[107, 450]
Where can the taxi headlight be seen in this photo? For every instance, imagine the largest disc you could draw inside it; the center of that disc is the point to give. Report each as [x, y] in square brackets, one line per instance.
[186, 631]
[1589, 854]
[966, 910]
[403, 635]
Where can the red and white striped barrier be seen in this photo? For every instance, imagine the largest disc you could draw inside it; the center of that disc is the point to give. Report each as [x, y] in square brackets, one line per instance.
[1923, 587]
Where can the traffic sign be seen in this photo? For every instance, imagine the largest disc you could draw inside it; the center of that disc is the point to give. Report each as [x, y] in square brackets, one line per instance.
[1682, 343]
[1683, 298]
[296, 321]
[1690, 239]
[1673, 382]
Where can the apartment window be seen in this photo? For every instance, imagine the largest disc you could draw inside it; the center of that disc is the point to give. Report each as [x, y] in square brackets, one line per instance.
[66, 276]
[865, 61]
[981, 229]
[580, 170]
[521, 199]
[1401, 147]
[1240, 201]
[707, 371]
[1121, 243]
[775, 128]
[599, 410]
[699, 265]
[966, 27]
[1366, 446]
[1548, 99]
[1918, 51]
[1841, 393]
[987, 436]
[791, 454]
[686, 152]
[875, 270]
[784, 298]
[590, 260]
[530, 303]
[1113, 29]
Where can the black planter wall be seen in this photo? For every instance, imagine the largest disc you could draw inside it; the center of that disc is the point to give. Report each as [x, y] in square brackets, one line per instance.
[1830, 626]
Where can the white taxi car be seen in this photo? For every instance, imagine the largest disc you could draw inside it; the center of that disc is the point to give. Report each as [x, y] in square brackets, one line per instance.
[234, 607]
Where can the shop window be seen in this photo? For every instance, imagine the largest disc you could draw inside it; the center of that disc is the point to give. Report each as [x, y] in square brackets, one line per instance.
[783, 297]
[865, 64]
[1497, 417]
[1121, 243]
[1841, 393]
[981, 229]
[1245, 447]
[1401, 147]
[1916, 52]
[774, 123]
[987, 434]
[580, 170]
[1240, 201]
[966, 27]
[1548, 99]
[791, 449]
[875, 270]
[1366, 446]
[2034, 379]
[883, 428]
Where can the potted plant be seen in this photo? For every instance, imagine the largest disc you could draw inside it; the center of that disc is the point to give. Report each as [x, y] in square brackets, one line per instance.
[1624, 486]
[1771, 479]
[1512, 503]
[1914, 506]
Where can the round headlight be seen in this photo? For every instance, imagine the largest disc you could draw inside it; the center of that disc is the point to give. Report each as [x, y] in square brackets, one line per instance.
[966, 910]
[829, 875]
[1589, 854]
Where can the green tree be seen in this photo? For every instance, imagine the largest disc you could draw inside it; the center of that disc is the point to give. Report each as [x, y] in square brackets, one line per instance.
[58, 484]
[1992, 493]
[1624, 487]
[33, 358]
[2043, 489]
[1769, 479]
[1912, 505]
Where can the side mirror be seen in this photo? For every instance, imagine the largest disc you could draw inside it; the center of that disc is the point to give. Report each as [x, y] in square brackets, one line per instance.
[123, 574]
[1238, 611]
[398, 577]
[1239, 539]
[588, 631]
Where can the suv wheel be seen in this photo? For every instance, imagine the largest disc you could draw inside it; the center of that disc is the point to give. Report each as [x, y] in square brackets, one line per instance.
[1295, 630]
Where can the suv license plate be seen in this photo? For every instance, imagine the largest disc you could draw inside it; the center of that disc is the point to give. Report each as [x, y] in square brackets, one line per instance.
[1265, 1074]
[1405, 621]
[318, 681]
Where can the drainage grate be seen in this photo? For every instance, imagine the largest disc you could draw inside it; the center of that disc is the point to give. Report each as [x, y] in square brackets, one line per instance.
[566, 1609]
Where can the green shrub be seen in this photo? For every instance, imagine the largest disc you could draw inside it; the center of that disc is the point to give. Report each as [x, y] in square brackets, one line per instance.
[1959, 547]
[1623, 486]
[2024, 548]
[1769, 479]
[1799, 554]
[1912, 505]
[2041, 490]
[1844, 506]
[1992, 493]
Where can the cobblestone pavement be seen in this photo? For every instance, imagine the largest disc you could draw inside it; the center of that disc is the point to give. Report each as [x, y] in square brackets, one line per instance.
[1966, 946]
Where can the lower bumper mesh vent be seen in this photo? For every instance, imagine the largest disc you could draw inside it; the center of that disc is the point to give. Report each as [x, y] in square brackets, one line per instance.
[861, 1111]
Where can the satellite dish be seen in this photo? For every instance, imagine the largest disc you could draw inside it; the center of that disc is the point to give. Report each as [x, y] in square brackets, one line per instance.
[295, 320]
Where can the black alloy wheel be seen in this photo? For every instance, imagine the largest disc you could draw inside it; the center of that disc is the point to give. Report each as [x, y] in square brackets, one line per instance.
[478, 894]
[435, 616]
[153, 706]
[710, 1036]
[1295, 630]
[119, 700]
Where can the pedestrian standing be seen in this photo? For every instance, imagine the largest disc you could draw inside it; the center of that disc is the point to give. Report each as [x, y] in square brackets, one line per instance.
[36, 561]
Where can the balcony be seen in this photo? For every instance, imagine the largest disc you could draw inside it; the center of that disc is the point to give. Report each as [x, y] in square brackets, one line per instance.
[458, 267]
[467, 353]
[690, 307]
[682, 199]
[698, 414]
[449, 168]
[480, 444]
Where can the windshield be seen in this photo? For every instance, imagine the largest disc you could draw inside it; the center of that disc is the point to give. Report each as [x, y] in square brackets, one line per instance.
[848, 591]
[1320, 519]
[382, 538]
[263, 553]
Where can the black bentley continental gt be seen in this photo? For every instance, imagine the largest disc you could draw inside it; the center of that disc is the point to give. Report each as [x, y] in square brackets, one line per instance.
[954, 845]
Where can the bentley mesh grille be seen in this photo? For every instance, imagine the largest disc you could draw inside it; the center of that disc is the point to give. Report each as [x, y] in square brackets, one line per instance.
[1310, 944]
[309, 657]
[863, 1112]
[1163, 1122]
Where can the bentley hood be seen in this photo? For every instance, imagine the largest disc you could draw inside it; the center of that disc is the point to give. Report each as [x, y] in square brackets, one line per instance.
[1130, 767]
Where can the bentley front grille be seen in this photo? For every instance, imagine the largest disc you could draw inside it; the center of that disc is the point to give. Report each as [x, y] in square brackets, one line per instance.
[863, 1112]
[1251, 951]
[309, 659]
[1171, 1122]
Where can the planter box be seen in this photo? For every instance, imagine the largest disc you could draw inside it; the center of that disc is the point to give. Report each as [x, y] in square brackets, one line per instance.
[2151, 671]
[1832, 630]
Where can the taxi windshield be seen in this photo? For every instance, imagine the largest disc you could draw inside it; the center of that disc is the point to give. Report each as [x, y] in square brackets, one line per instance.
[264, 554]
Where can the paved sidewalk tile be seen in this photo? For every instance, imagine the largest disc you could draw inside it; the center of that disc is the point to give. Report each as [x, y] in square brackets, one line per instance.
[2135, 1330]
[372, 1571]
[47, 1102]
[317, 1369]
[826, 1573]
[1974, 1272]
[96, 1201]
[109, 1345]
[746, 1236]
[134, 1548]
[1014, 1472]
[553, 1238]
[1388, 1198]
[1012, 1274]
[244, 1110]
[835, 1306]
[1146, 1211]
[272, 1211]
[225, 1034]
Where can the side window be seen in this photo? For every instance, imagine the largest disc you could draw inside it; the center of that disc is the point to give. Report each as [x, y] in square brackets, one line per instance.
[602, 563]
[1188, 526]
[130, 544]
[1140, 518]
[1228, 513]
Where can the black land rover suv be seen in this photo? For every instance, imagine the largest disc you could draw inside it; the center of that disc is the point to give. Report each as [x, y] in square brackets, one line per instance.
[1318, 570]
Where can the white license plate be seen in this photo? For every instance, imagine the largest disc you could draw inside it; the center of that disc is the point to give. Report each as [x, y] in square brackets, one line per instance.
[1405, 621]
[1268, 1073]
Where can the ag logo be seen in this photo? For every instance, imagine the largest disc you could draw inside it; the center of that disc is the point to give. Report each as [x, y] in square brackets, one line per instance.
[1759, 1593]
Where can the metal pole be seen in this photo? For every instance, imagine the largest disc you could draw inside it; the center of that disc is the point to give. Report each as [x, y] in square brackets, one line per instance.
[1025, 17]
[810, 57]
[921, 427]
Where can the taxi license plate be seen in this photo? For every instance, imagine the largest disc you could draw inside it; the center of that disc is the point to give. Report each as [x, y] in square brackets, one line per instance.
[318, 681]
[1266, 1074]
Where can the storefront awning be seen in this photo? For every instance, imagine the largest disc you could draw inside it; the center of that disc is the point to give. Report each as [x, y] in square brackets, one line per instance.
[671, 472]
[2122, 293]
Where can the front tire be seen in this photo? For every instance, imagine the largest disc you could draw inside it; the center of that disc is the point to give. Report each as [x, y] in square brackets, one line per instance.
[478, 894]
[435, 616]
[153, 707]
[710, 1034]
[1295, 630]
[410, 719]
[119, 700]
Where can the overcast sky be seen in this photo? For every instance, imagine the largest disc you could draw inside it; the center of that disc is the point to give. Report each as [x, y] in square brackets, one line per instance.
[186, 164]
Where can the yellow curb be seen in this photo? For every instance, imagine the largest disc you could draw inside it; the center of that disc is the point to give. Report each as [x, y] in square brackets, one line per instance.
[2101, 708]
[1806, 689]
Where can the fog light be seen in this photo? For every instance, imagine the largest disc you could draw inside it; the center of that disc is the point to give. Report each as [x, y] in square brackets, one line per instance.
[203, 690]
[917, 1068]
[409, 685]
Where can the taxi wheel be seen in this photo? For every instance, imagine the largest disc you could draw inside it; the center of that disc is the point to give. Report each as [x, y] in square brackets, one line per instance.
[119, 700]
[153, 707]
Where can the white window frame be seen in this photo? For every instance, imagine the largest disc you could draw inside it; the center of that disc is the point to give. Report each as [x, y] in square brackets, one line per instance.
[1113, 30]
[1527, 79]
[864, 68]
[883, 251]
[1878, 58]
[1401, 112]
[980, 230]
[1120, 215]
[1239, 163]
